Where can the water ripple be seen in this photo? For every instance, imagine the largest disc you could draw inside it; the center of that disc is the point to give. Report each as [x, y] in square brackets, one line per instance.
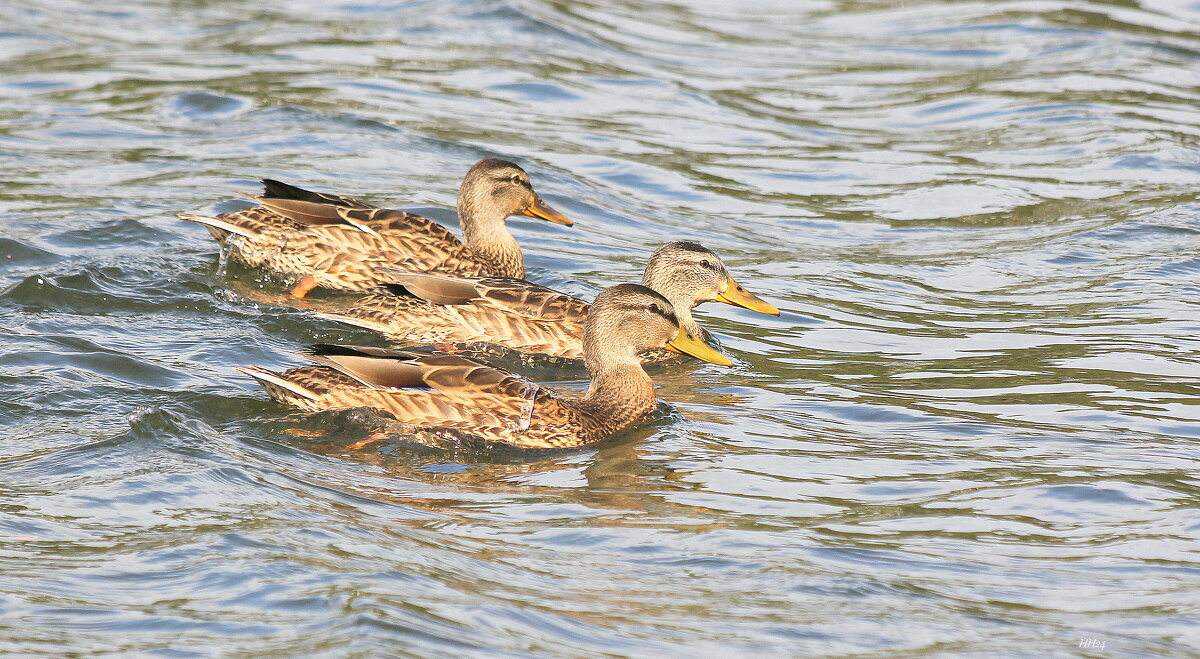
[972, 429]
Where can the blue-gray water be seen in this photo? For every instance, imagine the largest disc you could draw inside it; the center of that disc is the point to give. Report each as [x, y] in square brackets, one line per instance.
[974, 430]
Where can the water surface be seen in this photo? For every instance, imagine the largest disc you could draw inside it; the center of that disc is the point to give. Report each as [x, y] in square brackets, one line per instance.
[973, 431]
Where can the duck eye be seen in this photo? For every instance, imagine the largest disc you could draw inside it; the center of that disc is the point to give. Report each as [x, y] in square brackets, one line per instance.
[705, 264]
[516, 179]
[654, 308]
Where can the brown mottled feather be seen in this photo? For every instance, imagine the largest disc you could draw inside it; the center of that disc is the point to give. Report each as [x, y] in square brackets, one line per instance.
[447, 391]
[273, 189]
[340, 241]
[515, 313]
[451, 391]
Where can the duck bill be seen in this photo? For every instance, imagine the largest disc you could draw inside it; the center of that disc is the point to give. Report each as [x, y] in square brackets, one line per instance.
[739, 297]
[542, 210]
[684, 344]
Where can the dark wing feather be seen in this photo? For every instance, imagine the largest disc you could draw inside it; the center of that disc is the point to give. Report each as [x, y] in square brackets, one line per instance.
[273, 189]
[435, 288]
[374, 367]
[384, 367]
[304, 212]
[305, 206]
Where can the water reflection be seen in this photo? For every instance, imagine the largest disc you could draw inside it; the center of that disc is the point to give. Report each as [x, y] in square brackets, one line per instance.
[972, 428]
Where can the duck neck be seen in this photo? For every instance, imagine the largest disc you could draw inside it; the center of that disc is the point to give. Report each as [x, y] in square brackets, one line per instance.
[620, 392]
[485, 232]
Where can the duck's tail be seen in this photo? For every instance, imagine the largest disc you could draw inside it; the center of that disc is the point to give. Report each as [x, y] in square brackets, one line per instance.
[278, 387]
[220, 229]
[352, 320]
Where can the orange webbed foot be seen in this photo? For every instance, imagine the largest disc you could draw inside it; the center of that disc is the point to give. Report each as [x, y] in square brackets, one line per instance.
[306, 284]
[374, 437]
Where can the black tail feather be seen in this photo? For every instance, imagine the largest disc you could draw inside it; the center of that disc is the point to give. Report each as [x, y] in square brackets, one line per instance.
[334, 350]
[273, 189]
[397, 290]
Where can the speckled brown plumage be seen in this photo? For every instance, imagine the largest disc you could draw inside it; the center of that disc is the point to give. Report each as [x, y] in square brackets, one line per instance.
[341, 242]
[522, 315]
[451, 391]
[515, 313]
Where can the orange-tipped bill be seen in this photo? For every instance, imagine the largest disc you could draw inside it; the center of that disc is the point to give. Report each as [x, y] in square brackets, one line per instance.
[684, 344]
[541, 209]
[739, 297]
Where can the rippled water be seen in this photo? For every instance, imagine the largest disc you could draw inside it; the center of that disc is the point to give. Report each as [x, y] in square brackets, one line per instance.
[973, 431]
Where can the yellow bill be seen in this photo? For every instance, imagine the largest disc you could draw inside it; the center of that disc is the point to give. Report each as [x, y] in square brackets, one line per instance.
[684, 344]
[541, 209]
[739, 297]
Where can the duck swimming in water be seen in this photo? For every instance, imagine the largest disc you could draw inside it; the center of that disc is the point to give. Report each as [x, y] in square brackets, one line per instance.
[335, 242]
[421, 308]
[455, 392]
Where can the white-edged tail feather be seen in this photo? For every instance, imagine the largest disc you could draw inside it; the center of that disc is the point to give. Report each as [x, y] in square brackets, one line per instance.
[216, 224]
[271, 378]
[348, 320]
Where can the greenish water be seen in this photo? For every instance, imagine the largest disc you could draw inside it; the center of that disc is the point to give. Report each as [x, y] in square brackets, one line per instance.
[972, 432]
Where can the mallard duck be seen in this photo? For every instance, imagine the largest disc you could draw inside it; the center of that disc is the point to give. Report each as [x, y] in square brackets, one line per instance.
[424, 308]
[336, 242]
[455, 392]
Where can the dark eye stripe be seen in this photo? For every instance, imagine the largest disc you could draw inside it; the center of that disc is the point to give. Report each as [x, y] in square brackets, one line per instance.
[659, 311]
[509, 179]
[670, 317]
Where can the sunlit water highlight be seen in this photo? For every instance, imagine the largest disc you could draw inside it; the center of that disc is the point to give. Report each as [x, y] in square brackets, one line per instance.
[973, 431]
